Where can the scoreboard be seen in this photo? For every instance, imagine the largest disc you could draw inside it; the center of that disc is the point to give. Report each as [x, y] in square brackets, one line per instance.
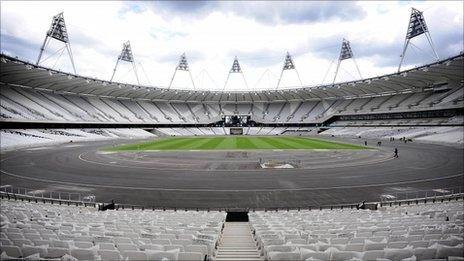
[236, 131]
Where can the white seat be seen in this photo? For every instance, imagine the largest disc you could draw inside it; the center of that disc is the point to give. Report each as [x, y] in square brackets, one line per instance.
[32, 237]
[83, 239]
[186, 236]
[374, 246]
[152, 247]
[159, 255]
[306, 254]
[83, 244]
[183, 242]
[416, 244]
[398, 254]
[5, 242]
[56, 252]
[399, 244]
[84, 254]
[354, 247]
[190, 256]
[60, 243]
[197, 248]
[12, 251]
[357, 240]
[283, 256]
[106, 246]
[335, 241]
[135, 255]
[422, 253]
[42, 242]
[126, 247]
[30, 250]
[122, 240]
[296, 241]
[446, 251]
[161, 241]
[109, 255]
[167, 236]
[345, 255]
[373, 255]
[173, 247]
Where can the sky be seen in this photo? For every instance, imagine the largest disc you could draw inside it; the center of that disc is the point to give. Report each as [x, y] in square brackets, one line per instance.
[212, 33]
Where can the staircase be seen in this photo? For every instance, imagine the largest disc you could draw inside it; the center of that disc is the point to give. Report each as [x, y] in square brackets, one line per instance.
[237, 243]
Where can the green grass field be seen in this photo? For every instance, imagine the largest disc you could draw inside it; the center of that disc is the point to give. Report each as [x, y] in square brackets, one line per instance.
[235, 143]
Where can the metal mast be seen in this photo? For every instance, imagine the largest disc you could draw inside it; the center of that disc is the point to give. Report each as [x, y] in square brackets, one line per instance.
[58, 32]
[127, 56]
[345, 53]
[235, 69]
[288, 65]
[182, 66]
[416, 27]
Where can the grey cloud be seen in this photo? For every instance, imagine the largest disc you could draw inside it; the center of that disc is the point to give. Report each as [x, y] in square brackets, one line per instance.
[258, 58]
[270, 13]
[173, 56]
[22, 48]
[287, 12]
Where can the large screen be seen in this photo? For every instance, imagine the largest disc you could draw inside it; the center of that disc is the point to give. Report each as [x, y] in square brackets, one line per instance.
[236, 131]
[236, 120]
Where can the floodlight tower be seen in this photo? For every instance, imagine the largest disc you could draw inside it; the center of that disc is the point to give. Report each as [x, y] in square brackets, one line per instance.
[126, 56]
[288, 65]
[416, 27]
[345, 53]
[235, 69]
[58, 32]
[182, 66]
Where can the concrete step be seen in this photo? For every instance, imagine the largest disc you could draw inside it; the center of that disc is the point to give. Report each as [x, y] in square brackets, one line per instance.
[237, 252]
[237, 243]
[223, 248]
[238, 259]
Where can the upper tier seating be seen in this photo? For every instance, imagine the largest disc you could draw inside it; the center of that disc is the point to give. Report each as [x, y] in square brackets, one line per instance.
[26, 104]
[36, 230]
[418, 232]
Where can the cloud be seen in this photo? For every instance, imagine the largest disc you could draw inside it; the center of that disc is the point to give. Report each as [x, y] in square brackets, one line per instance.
[211, 33]
[284, 12]
[269, 13]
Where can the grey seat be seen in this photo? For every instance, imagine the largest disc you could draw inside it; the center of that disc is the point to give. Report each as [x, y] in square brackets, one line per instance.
[190, 256]
[12, 251]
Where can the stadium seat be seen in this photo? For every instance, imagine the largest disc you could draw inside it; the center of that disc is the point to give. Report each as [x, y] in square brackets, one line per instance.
[197, 248]
[283, 256]
[12, 251]
[109, 255]
[190, 256]
[398, 254]
[84, 254]
[373, 255]
[56, 252]
[135, 255]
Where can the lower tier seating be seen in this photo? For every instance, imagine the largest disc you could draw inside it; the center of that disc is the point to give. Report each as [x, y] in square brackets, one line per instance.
[36, 231]
[432, 231]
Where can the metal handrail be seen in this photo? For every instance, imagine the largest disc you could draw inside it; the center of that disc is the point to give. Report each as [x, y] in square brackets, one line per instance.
[51, 195]
[455, 194]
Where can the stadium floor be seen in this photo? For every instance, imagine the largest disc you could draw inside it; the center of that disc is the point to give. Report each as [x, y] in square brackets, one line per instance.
[321, 178]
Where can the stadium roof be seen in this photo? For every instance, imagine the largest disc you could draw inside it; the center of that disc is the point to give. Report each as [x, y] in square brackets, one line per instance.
[16, 72]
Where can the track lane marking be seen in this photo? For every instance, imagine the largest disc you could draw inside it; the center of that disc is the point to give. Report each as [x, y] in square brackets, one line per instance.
[233, 190]
[355, 164]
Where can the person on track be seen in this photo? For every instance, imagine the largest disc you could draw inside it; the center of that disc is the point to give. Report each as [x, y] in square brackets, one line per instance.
[395, 153]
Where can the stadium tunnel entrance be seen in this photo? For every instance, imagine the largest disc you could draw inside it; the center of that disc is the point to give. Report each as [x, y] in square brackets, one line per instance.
[237, 216]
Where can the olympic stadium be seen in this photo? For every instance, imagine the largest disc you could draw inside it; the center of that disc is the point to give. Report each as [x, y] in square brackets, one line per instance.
[368, 169]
